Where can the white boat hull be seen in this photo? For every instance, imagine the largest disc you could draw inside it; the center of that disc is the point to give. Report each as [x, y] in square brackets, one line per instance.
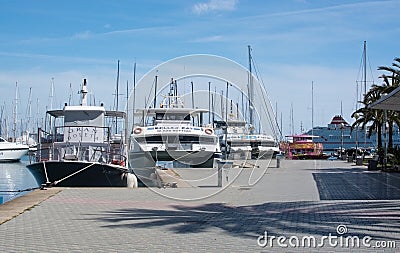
[12, 154]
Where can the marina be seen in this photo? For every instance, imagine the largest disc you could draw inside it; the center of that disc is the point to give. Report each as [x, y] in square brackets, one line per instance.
[200, 126]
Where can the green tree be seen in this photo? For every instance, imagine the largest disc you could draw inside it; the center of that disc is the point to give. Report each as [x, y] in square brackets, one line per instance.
[365, 115]
[375, 118]
[390, 83]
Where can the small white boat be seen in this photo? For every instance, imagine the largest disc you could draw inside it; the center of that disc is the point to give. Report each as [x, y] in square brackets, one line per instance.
[12, 152]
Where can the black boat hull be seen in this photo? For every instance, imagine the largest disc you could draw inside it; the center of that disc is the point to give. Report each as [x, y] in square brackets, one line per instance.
[79, 174]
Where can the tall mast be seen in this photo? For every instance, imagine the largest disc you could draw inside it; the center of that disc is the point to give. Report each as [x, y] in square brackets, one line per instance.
[15, 112]
[51, 93]
[312, 109]
[117, 95]
[28, 124]
[134, 96]
[155, 92]
[250, 91]
[209, 102]
[365, 86]
[191, 83]
[365, 67]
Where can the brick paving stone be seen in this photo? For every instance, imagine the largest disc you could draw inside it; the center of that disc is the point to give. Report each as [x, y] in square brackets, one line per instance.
[299, 199]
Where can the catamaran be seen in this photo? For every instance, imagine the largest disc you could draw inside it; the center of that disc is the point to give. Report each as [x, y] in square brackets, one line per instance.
[172, 133]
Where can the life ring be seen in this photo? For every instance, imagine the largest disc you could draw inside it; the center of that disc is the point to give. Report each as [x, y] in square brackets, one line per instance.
[118, 162]
[208, 131]
[137, 130]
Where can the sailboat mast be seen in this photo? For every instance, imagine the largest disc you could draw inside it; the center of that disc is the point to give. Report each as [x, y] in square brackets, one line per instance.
[365, 67]
[117, 95]
[312, 109]
[15, 112]
[51, 93]
[191, 83]
[209, 102]
[134, 96]
[365, 86]
[155, 92]
[250, 90]
[28, 123]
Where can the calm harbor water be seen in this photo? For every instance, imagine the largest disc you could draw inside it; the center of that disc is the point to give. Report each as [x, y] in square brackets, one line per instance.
[15, 177]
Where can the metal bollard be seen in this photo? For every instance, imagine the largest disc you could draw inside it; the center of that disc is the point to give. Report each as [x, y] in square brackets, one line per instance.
[278, 161]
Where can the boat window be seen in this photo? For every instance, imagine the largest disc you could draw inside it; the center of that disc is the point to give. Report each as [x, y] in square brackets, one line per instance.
[239, 144]
[268, 144]
[172, 116]
[177, 139]
[160, 116]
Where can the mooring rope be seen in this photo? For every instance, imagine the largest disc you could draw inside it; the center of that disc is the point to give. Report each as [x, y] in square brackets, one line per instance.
[45, 172]
[76, 172]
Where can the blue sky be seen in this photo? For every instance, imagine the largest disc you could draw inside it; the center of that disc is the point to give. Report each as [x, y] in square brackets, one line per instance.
[294, 42]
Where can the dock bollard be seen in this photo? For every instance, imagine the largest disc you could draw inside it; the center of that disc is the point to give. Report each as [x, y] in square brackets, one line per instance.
[222, 165]
[278, 161]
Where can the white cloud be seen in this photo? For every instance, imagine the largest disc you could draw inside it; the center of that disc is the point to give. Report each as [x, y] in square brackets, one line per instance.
[83, 35]
[214, 38]
[215, 5]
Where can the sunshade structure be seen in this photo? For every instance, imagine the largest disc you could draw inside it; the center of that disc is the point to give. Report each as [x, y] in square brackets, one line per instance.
[390, 101]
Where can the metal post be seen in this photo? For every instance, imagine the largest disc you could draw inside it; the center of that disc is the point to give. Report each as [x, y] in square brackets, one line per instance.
[220, 165]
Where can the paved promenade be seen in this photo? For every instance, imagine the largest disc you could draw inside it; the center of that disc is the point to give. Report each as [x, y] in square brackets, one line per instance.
[333, 204]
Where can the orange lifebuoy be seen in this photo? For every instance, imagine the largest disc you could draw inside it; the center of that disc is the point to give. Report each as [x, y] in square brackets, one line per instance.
[137, 130]
[208, 131]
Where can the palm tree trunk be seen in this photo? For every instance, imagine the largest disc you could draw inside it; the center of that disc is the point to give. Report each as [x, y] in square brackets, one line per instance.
[390, 137]
[379, 129]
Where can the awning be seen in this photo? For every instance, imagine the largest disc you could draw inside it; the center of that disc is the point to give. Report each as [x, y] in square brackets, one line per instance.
[390, 101]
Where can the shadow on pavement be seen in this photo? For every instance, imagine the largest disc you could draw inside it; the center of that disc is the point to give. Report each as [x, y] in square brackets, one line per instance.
[378, 219]
[357, 185]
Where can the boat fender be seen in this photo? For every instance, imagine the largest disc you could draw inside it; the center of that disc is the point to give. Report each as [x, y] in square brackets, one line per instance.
[131, 181]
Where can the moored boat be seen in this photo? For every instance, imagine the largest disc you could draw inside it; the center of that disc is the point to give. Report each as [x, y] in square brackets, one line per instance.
[303, 147]
[242, 144]
[172, 135]
[11, 151]
[81, 150]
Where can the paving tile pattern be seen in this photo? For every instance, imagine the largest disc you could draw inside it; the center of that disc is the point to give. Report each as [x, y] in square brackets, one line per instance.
[299, 199]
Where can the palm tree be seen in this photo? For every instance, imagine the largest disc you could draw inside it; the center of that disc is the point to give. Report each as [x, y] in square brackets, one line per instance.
[391, 82]
[366, 115]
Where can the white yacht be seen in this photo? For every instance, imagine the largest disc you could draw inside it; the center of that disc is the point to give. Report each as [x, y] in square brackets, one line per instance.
[240, 143]
[11, 151]
[174, 134]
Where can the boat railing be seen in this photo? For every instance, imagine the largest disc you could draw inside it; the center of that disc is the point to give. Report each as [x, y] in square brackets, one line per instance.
[84, 143]
[73, 152]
